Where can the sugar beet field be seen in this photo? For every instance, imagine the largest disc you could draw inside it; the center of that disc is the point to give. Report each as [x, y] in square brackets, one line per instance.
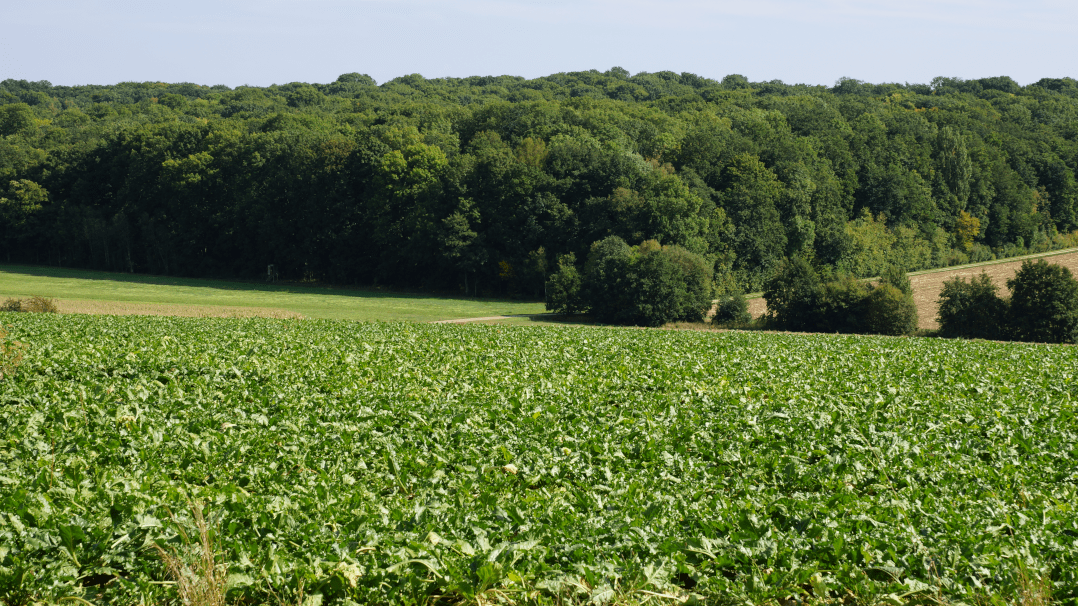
[340, 462]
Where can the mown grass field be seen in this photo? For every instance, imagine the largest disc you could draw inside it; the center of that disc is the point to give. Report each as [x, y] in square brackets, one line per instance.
[418, 464]
[80, 291]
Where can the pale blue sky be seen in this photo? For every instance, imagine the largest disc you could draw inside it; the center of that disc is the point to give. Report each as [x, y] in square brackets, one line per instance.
[261, 42]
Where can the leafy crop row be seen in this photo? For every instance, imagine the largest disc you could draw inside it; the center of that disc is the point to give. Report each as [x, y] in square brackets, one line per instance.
[393, 464]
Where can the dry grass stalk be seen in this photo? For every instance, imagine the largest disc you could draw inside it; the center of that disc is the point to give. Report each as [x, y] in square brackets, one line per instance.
[1035, 590]
[201, 582]
[11, 353]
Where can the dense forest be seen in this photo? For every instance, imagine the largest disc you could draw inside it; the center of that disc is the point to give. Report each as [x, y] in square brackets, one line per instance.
[487, 184]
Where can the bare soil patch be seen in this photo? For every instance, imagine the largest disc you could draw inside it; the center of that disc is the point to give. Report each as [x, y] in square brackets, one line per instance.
[757, 307]
[123, 308]
[927, 286]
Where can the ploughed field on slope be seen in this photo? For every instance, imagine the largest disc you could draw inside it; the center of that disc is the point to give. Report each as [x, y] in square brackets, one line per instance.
[928, 284]
[389, 463]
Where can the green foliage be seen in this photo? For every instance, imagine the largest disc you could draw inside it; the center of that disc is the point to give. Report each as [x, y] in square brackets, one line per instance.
[1044, 303]
[896, 276]
[657, 292]
[15, 118]
[870, 246]
[798, 300]
[607, 279]
[408, 464]
[1043, 306]
[17, 212]
[435, 183]
[693, 285]
[563, 288]
[972, 309]
[791, 295]
[731, 309]
[841, 305]
[752, 197]
[890, 311]
[649, 285]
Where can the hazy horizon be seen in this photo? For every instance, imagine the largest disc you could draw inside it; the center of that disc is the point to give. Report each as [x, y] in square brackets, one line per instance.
[243, 42]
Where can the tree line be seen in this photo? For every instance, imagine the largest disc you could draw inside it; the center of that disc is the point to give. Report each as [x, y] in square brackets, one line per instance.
[494, 185]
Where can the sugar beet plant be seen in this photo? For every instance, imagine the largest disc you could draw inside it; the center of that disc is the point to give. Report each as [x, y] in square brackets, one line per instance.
[413, 464]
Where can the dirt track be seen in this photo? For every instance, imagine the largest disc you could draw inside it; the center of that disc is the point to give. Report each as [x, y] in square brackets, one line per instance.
[927, 286]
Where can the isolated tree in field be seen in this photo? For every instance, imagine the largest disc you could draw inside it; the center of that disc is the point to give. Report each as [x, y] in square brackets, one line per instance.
[657, 290]
[841, 305]
[890, 309]
[695, 287]
[670, 284]
[798, 300]
[1044, 303]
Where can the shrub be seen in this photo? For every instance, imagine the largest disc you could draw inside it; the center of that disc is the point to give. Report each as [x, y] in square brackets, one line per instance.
[971, 309]
[648, 285]
[840, 305]
[1044, 304]
[693, 285]
[39, 305]
[563, 293]
[889, 311]
[606, 284]
[732, 308]
[791, 295]
[656, 293]
[798, 300]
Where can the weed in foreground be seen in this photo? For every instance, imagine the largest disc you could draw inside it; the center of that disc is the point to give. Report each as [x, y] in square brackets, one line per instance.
[11, 353]
[1033, 590]
[200, 580]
